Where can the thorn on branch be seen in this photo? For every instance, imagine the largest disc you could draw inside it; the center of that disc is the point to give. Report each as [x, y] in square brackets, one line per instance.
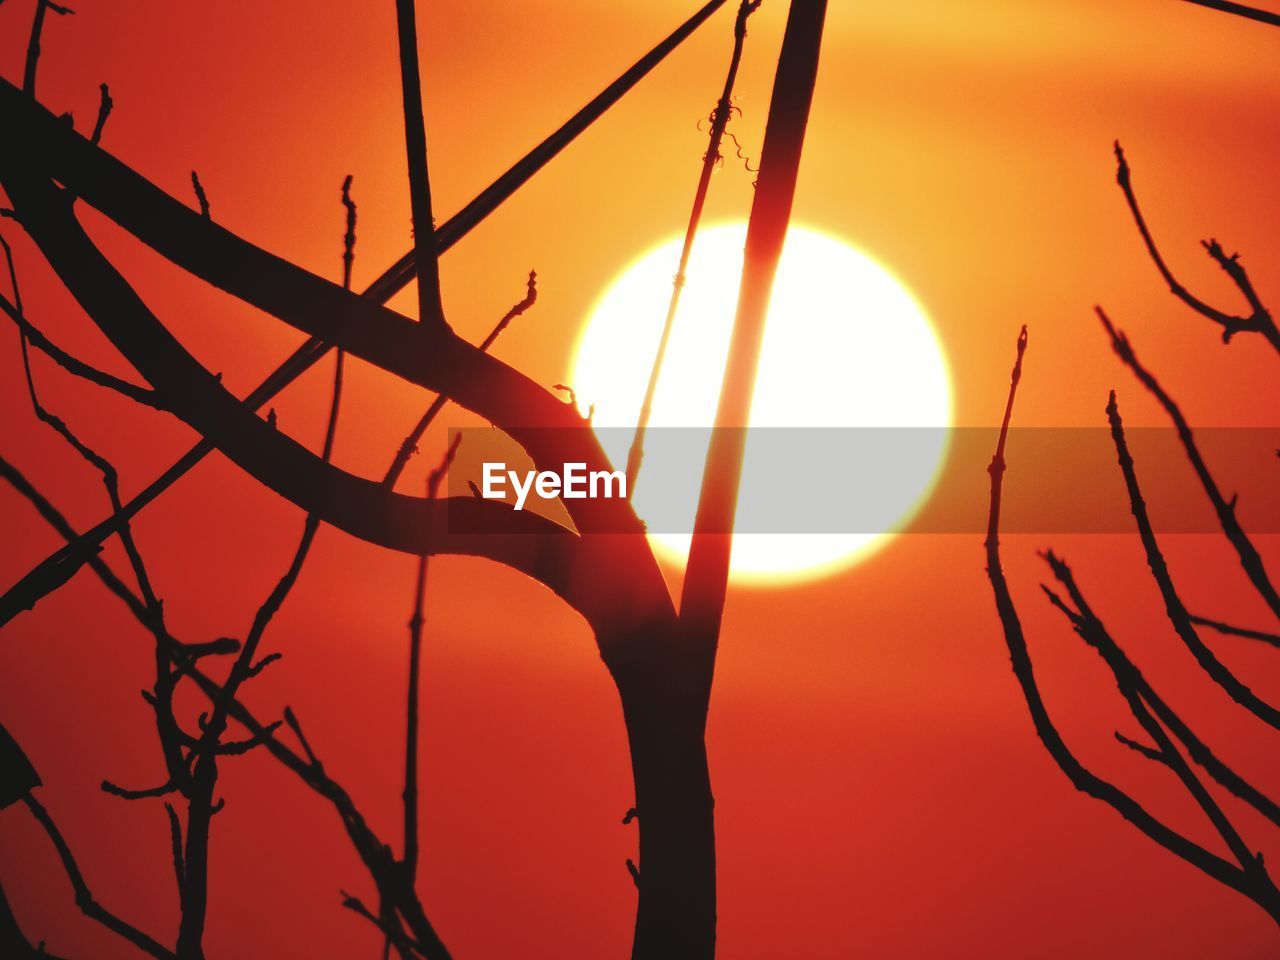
[262, 664]
[634, 871]
[631, 814]
[292, 720]
[201, 197]
[405, 945]
[1151, 753]
[236, 748]
[105, 103]
[17, 775]
[175, 844]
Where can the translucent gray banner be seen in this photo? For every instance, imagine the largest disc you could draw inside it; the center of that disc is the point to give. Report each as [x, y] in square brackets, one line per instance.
[877, 480]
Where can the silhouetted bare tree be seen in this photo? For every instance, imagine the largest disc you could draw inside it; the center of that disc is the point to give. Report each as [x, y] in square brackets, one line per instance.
[1170, 739]
[661, 659]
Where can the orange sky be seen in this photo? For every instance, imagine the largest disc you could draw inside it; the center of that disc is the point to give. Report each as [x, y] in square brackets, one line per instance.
[879, 789]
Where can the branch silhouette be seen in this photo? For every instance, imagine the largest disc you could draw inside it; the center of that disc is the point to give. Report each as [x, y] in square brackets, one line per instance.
[720, 116]
[1250, 559]
[410, 444]
[1240, 10]
[1259, 319]
[425, 254]
[57, 569]
[613, 580]
[1244, 879]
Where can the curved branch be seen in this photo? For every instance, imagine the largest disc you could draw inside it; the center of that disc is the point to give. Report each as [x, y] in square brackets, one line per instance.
[1081, 777]
[1128, 676]
[84, 896]
[1259, 319]
[425, 354]
[1219, 672]
[1240, 10]
[571, 566]
[1250, 559]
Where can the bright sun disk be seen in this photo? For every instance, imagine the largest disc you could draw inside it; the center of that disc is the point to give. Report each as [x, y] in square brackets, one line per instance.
[846, 345]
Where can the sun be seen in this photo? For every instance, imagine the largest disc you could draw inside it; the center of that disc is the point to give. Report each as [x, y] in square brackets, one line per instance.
[846, 346]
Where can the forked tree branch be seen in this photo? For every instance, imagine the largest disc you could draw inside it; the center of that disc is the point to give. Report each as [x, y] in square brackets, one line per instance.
[1259, 319]
[1128, 676]
[1080, 776]
[60, 567]
[1256, 883]
[308, 768]
[84, 896]
[162, 699]
[570, 565]
[437, 359]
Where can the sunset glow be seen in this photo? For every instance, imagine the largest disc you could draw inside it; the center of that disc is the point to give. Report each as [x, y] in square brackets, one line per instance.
[847, 345]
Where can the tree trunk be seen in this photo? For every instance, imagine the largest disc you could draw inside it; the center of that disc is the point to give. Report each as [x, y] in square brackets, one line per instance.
[666, 681]
[676, 916]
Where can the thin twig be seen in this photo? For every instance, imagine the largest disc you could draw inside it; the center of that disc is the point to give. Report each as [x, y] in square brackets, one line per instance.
[203, 757]
[392, 930]
[1256, 883]
[1128, 676]
[1258, 321]
[348, 238]
[1270, 639]
[84, 896]
[720, 116]
[1250, 559]
[75, 366]
[162, 701]
[1240, 10]
[413, 724]
[1081, 778]
[1177, 612]
[1151, 753]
